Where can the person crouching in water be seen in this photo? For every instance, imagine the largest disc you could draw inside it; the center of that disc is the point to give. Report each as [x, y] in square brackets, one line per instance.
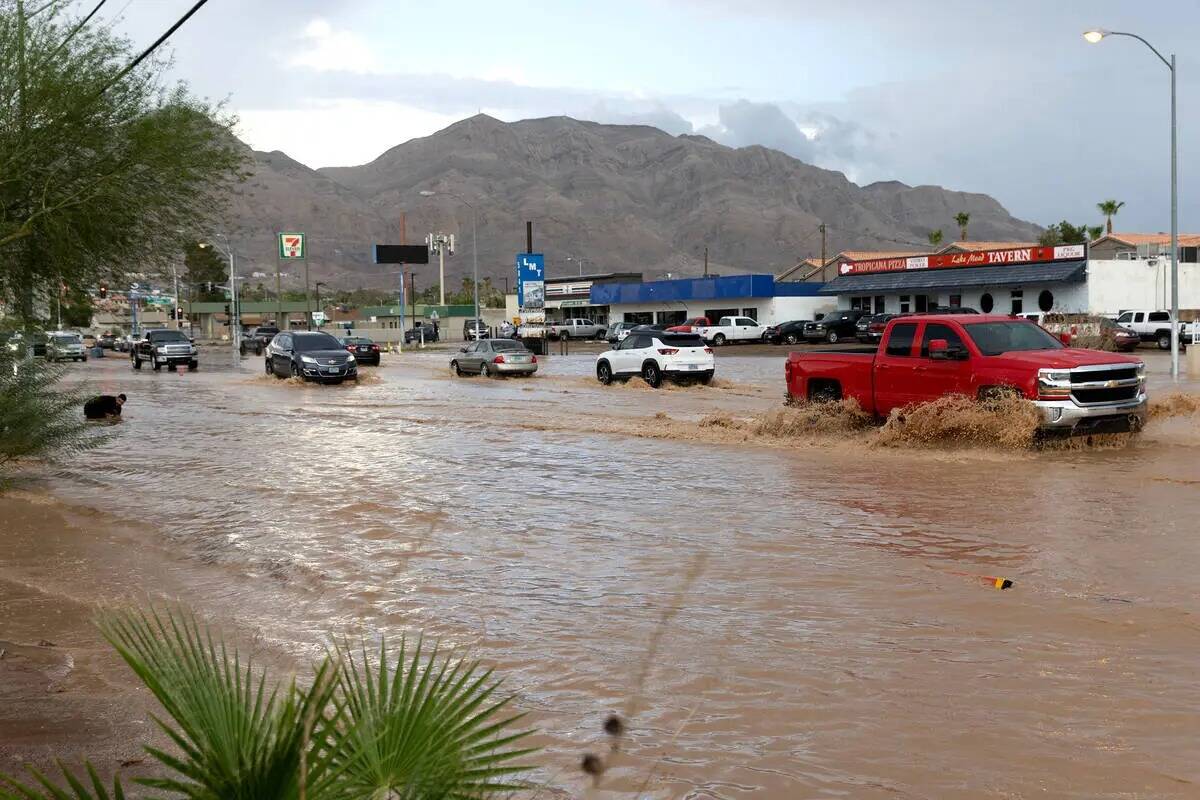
[104, 406]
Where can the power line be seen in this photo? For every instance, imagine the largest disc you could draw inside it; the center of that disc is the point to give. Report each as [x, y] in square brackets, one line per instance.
[146, 53]
[76, 30]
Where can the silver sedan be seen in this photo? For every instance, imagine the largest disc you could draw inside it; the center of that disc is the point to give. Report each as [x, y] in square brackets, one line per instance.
[494, 357]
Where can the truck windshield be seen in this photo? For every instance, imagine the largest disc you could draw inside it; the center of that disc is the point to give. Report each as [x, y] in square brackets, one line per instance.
[167, 336]
[994, 338]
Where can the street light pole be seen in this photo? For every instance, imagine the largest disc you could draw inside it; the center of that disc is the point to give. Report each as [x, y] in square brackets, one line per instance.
[319, 284]
[474, 242]
[1094, 36]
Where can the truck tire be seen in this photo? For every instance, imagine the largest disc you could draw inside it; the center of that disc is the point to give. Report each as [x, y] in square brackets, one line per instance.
[791, 338]
[258, 348]
[268, 368]
[193, 366]
[719, 339]
[824, 392]
[1164, 340]
[651, 374]
[831, 337]
[137, 362]
[242, 349]
[296, 371]
[604, 373]
[157, 367]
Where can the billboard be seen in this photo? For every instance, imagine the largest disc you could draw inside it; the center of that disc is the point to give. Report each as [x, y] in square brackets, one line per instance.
[978, 258]
[531, 281]
[400, 253]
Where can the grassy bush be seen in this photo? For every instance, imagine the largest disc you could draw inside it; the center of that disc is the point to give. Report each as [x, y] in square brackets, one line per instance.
[409, 727]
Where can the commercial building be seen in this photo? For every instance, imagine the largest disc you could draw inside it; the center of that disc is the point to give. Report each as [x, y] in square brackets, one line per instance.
[759, 297]
[570, 296]
[1106, 277]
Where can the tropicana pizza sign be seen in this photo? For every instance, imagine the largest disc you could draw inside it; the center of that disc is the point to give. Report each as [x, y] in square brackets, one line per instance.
[978, 258]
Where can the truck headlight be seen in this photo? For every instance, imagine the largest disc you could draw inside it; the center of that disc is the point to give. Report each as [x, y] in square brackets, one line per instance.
[1141, 370]
[308, 359]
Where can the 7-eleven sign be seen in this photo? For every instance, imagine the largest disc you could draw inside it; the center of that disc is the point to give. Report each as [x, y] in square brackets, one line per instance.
[291, 245]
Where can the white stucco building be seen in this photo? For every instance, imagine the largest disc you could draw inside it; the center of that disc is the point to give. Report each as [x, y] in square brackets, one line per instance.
[1116, 272]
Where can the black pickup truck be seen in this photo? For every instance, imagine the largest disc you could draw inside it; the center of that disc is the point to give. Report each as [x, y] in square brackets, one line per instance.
[256, 339]
[163, 348]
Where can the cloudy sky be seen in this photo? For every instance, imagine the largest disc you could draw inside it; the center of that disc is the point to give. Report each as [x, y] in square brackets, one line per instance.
[998, 97]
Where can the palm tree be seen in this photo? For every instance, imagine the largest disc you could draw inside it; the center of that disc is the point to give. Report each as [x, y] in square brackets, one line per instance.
[935, 237]
[962, 218]
[410, 727]
[1094, 232]
[1109, 208]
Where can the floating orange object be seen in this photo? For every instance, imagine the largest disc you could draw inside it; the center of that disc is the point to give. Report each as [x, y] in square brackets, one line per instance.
[994, 582]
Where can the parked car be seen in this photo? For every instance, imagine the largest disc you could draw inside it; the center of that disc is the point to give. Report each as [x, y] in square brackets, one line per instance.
[365, 350]
[690, 325]
[1087, 330]
[489, 357]
[422, 332]
[655, 355]
[1155, 326]
[255, 340]
[107, 341]
[475, 329]
[164, 348]
[876, 323]
[925, 357]
[862, 327]
[729, 330]
[14, 343]
[834, 327]
[617, 331]
[575, 329]
[312, 355]
[785, 332]
[65, 347]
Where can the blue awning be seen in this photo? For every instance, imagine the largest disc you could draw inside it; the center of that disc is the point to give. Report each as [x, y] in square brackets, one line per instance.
[964, 278]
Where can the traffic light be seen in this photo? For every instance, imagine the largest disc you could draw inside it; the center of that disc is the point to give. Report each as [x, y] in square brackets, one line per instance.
[227, 313]
[103, 291]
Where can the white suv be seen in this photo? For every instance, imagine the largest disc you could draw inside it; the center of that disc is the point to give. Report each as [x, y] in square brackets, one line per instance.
[654, 355]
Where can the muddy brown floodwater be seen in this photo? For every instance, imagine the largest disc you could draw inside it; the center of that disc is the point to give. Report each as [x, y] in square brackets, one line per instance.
[837, 642]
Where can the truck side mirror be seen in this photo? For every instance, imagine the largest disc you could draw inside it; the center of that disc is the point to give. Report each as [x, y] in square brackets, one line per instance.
[939, 350]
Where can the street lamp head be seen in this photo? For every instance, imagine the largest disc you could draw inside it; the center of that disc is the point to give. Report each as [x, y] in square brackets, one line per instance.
[1094, 36]
[202, 245]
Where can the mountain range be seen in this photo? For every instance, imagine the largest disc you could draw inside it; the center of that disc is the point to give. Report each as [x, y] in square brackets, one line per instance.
[619, 197]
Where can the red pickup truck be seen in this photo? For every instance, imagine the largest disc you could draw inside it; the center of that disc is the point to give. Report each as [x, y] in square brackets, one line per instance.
[924, 357]
[690, 325]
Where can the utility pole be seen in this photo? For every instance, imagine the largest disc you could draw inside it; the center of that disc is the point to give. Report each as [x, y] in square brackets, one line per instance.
[412, 292]
[175, 308]
[706, 261]
[822, 250]
[278, 298]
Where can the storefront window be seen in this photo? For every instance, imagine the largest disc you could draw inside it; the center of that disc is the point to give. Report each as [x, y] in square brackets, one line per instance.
[878, 304]
[752, 313]
[1018, 301]
[922, 303]
[986, 303]
[904, 304]
[1045, 300]
[956, 301]
[640, 317]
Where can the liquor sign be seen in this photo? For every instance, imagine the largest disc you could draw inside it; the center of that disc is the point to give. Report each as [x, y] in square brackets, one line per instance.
[978, 258]
[531, 281]
[291, 245]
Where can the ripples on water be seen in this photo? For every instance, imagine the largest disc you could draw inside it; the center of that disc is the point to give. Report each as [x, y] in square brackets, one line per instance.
[829, 648]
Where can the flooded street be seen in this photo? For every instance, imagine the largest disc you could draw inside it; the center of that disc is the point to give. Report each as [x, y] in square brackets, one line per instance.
[838, 638]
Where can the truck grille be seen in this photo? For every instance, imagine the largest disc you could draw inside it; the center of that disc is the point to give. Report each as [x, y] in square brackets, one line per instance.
[1114, 395]
[1114, 374]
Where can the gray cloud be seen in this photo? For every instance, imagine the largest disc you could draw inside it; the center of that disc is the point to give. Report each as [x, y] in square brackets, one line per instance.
[744, 123]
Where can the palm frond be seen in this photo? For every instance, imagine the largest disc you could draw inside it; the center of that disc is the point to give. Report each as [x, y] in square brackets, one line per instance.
[43, 789]
[427, 727]
[237, 738]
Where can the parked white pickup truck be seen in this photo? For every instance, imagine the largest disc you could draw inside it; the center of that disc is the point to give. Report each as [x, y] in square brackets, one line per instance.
[732, 329]
[576, 329]
[1155, 326]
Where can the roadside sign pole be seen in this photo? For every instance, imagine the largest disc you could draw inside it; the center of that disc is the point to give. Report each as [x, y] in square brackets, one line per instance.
[400, 343]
